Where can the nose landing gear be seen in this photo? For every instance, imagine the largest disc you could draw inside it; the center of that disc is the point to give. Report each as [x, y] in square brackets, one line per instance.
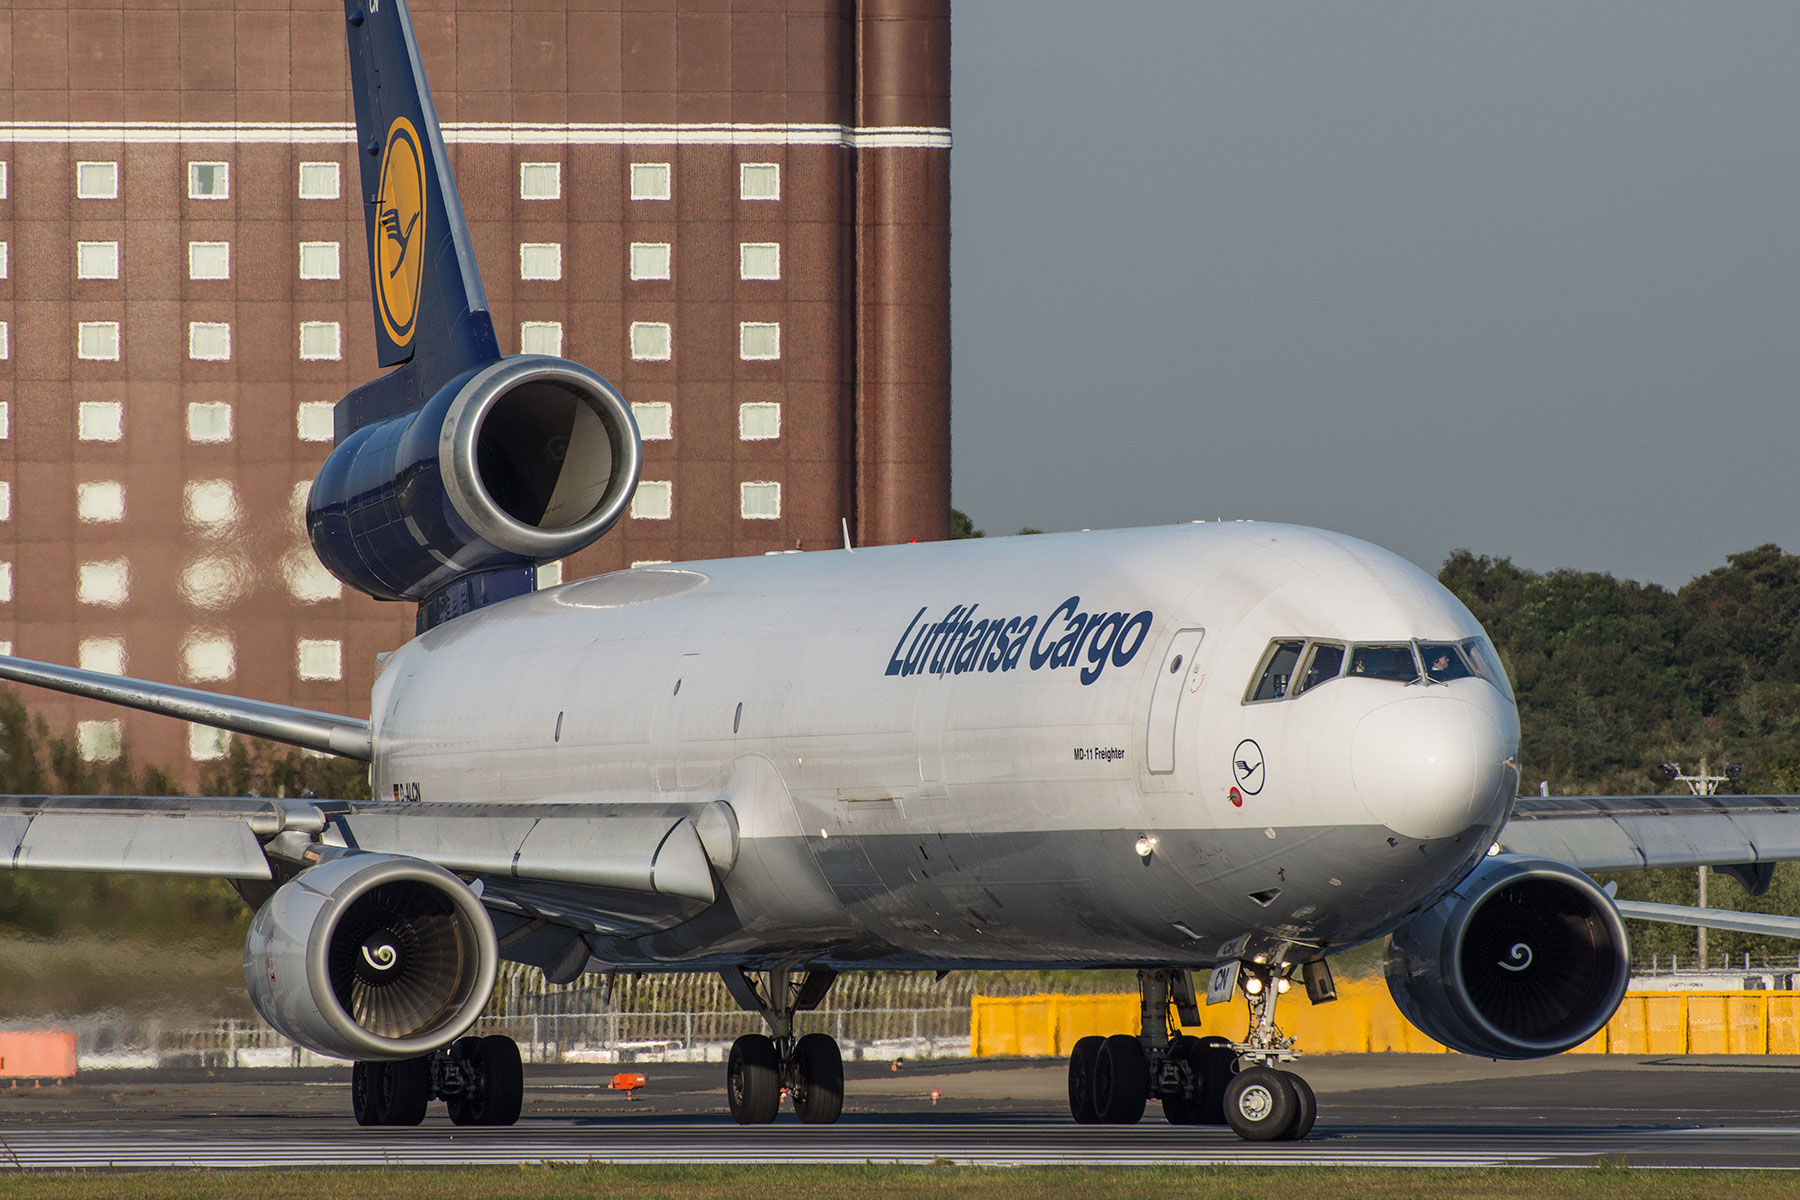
[809, 1069]
[1200, 1081]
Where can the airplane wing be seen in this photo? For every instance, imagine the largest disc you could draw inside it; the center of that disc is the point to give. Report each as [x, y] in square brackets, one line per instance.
[1742, 835]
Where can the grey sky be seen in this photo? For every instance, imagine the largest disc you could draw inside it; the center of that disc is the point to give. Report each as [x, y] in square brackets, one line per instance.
[1521, 277]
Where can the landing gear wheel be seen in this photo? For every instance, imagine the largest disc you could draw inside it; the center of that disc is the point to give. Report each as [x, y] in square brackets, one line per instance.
[1218, 1063]
[1306, 1108]
[753, 1080]
[818, 1080]
[365, 1088]
[1260, 1104]
[1121, 1081]
[1184, 1109]
[1084, 1061]
[496, 1090]
[404, 1091]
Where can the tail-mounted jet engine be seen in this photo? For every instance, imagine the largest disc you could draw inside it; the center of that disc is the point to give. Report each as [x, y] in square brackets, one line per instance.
[523, 460]
[1524, 958]
[371, 956]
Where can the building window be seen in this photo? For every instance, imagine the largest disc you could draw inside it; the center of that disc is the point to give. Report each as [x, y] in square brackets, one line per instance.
[650, 260]
[549, 574]
[759, 501]
[5, 341]
[209, 421]
[5, 501]
[211, 504]
[5, 260]
[209, 260]
[540, 181]
[100, 502]
[100, 420]
[98, 741]
[654, 500]
[318, 260]
[209, 341]
[96, 260]
[315, 421]
[655, 419]
[759, 340]
[209, 180]
[208, 657]
[650, 341]
[97, 180]
[6, 588]
[320, 658]
[5, 420]
[3, 167]
[759, 260]
[649, 181]
[320, 341]
[759, 181]
[540, 337]
[107, 584]
[103, 654]
[760, 421]
[540, 260]
[97, 341]
[318, 181]
[206, 744]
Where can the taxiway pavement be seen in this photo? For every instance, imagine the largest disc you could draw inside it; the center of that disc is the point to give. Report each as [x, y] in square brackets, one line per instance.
[1373, 1109]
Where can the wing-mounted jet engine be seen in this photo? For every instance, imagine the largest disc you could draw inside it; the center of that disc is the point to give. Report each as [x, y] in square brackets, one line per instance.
[1524, 958]
[460, 470]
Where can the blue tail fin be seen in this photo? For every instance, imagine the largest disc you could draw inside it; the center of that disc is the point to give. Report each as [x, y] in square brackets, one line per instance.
[430, 311]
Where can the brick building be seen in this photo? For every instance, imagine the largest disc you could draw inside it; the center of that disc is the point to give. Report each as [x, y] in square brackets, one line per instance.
[737, 213]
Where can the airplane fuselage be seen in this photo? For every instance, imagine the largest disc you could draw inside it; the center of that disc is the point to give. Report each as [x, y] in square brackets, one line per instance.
[1023, 751]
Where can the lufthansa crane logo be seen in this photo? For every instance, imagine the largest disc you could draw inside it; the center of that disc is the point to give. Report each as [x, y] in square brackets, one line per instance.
[1247, 767]
[400, 232]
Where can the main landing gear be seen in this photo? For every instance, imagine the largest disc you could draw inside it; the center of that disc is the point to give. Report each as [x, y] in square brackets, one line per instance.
[479, 1079]
[809, 1068]
[1200, 1081]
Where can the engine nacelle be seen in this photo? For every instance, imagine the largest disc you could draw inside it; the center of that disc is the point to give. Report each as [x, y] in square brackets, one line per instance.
[1524, 958]
[521, 461]
[371, 956]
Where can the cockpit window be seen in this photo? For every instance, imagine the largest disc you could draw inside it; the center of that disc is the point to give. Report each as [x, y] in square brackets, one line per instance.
[1326, 662]
[1443, 661]
[1387, 661]
[1481, 656]
[1278, 670]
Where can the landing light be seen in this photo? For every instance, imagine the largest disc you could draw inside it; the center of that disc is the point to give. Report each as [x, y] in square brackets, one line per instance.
[1253, 986]
[1282, 985]
[1146, 846]
[1493, 849]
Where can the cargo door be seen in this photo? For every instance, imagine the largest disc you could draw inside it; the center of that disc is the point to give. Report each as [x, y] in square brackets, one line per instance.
[1178, 676]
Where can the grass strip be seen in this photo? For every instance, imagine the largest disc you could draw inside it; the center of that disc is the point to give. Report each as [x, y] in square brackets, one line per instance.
[941, 1182]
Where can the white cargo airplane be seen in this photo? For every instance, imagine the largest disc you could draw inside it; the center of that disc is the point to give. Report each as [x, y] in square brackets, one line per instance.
[1232, 748]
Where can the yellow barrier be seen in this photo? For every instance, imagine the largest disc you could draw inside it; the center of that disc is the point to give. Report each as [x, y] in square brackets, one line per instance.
[1364, 1018]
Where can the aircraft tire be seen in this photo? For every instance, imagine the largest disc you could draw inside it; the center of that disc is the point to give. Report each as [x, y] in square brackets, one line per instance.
[1121, 1081]
[404, 1092]
[365, 1089]
[1218, 1063]
[818, 1082]
[753, 1080]
[1084, 1061]
[503, 1081]
[1306, 1110]
[1260, 1104]
[1184, 1109]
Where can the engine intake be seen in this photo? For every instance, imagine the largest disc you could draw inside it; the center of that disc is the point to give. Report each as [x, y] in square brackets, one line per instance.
[1526, 957]
[371, 956]
[524, 460]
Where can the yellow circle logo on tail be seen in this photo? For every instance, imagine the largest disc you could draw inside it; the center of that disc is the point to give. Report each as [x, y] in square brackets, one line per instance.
[400, 232]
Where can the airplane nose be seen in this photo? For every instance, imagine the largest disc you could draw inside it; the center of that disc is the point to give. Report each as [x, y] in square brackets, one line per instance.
[1434, 764]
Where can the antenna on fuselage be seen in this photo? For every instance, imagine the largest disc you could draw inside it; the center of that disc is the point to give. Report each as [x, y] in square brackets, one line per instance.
[845, 522]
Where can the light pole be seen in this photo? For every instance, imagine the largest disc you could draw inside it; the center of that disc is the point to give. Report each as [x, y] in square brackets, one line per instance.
[1701, 784]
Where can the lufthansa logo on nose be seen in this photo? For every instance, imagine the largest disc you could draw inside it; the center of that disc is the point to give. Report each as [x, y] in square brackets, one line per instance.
[400, 232]
[1247, 767]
